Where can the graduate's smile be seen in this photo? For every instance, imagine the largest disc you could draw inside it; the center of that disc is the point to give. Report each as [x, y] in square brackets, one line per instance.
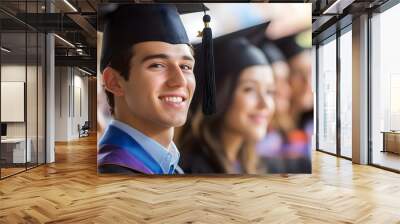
[258, 118]
[174, 100]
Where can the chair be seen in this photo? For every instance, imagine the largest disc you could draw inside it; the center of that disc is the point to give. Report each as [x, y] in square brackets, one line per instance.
[84, 130]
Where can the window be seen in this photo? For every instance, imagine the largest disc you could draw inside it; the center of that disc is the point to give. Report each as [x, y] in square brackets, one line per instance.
[385, 89]
[327, 96]
[22, 77]
[346, 93]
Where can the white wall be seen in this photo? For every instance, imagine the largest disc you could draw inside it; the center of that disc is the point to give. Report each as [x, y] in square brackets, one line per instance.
[33, 127]
[71, 94]
[81, 104]
[12, 73]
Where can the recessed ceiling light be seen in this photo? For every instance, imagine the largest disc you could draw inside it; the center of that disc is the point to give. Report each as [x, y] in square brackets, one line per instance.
[70, 5]
[64, 40]
[84, 71]
[5, 49]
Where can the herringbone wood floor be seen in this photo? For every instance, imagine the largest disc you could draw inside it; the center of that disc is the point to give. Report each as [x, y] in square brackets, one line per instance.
[70, 191]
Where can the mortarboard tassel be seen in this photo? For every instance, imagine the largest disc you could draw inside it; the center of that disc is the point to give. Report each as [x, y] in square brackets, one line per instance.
[209, 106]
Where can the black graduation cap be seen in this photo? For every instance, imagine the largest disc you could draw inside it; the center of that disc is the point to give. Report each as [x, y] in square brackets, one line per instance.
[128, 24]
[256, 35]
[233, 53]
[252, 33]
[105, 9]
[233, 56]
[289, 46]
[273, 53]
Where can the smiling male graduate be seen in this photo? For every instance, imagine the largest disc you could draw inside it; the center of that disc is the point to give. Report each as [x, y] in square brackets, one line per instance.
[147, 70]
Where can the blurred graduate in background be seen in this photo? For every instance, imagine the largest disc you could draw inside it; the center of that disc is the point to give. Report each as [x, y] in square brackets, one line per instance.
[224, 142]
[287, 146]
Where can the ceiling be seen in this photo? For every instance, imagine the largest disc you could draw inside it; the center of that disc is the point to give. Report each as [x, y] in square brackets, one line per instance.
[76, 22]
[329, 15]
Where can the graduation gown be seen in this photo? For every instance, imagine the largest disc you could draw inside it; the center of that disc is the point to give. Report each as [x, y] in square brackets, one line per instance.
[120, 153]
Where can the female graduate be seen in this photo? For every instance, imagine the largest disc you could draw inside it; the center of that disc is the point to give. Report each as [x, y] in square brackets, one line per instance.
[224, 142]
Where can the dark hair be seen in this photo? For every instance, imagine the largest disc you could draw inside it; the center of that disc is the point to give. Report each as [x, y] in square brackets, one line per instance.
[121, 63]
[202, 134]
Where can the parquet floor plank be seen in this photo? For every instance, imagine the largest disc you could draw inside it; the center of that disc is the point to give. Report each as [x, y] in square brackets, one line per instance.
[70, 191]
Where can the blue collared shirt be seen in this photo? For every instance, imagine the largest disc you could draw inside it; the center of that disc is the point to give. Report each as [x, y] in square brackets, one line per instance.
[167, 158]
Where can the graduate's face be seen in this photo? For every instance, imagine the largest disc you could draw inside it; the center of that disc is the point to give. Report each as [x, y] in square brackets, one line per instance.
[253, 103]
[161, 83]
[300, 81]
[283, 90]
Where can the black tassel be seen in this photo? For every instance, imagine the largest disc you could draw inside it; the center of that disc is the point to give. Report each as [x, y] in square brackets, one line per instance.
[209, 106]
